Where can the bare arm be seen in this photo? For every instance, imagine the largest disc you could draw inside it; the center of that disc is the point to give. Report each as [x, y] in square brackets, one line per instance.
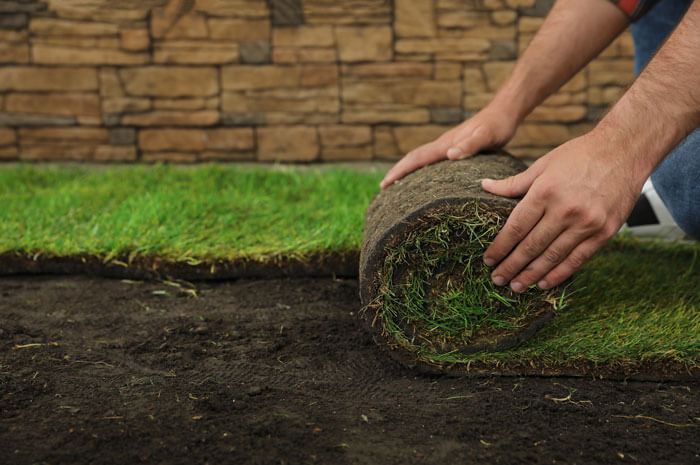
[574, 32]
[578, 195]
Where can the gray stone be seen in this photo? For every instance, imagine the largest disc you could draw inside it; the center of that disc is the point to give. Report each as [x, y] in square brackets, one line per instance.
[243, 119]
[503, 49]
[21, 6]
[596, 112]
[446, 115]
[287, 12]
[110, 120]
[24, 119]
[14, 21]
[122, 136]
[254, 52]
[541, 8]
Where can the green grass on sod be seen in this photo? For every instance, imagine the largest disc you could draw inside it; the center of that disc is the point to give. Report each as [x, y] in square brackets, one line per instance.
[634, 302]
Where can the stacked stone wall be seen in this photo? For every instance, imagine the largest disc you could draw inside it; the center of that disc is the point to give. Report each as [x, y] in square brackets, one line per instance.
[289, 80]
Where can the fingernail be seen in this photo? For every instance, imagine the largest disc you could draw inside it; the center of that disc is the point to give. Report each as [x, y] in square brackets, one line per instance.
[499, 280]
[486, 181]
[489, 261]
[543, 284]
[517, 286]
[455, 152]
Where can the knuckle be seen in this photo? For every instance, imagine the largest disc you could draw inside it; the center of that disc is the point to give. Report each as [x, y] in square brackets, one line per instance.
[553, 255]
[577, 259]
[516, 230]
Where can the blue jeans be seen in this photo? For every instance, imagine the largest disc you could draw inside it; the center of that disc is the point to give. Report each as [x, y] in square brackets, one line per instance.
[677, 178]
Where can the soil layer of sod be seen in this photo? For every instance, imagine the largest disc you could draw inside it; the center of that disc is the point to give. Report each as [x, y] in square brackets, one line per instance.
[282, 371]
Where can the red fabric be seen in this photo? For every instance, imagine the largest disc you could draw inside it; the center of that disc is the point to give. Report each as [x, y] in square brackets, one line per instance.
[628, 6]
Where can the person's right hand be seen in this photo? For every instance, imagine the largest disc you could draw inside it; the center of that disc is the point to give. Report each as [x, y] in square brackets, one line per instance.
[490, 128]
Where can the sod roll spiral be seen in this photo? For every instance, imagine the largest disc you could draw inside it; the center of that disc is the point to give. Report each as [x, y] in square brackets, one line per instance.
[423, 284]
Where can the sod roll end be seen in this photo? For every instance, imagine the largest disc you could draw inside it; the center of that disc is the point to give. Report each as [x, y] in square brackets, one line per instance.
[423, 284]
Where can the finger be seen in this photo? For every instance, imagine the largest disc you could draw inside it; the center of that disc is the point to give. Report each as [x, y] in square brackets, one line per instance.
[518, 225]
[571, 263]
[552, 256]
[424, 155]
[531, 247]
[513, 186]
[477, 140]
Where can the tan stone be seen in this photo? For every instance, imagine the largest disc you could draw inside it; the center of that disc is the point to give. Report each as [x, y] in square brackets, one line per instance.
[618, 72]
[195, 52]
[503, 17]
[448, 71]
[412, 57]
[287, 143]
[303, 36]
[88, 120]
[71, 135]
[14, 52]
[497, 72]
[296, 101]
[433, 93]
[239, 29]
[73, 103]
[364, 43]
[97, 11]
[604, 95]
[53, 55]
[8, 153]
[474, 80]
[274, 118]
[385, 145]
[626, 45]
[53, 151]
[63, 27]
[344, 135]
[170, 22]
[192, 140]
[469, 48]
[545, 134]
[529, 24]
[566, 113]
[9, 35]
[250, 9]
[172, 118]
[361, 152]
[25, 78]
[391, 69]
[115, 153]
[7, 136]
[414, 18]
[172, 157]
[197, 103]
[462, 18]
[134, 40]
[487, 32]
[227, 155]
[520, 3]
[260, 77]
[576, 84]
[412, 137]
[170, 81]
[477, 101]
[304, 55]
[77, 42]
[118, 105]
[110, 85]
[530, 152]
[319, 75]
[391, 113]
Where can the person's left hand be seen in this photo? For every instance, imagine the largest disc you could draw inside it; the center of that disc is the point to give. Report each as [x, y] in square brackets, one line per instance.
[576, 198]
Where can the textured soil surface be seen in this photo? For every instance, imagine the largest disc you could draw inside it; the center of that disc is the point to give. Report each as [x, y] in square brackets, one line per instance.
[282, 371]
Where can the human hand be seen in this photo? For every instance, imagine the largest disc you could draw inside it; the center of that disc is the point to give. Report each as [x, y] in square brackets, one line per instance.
[490, 128]
[575, 198]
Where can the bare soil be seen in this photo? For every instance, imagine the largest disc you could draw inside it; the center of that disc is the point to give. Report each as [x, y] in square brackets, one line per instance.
[94, 370]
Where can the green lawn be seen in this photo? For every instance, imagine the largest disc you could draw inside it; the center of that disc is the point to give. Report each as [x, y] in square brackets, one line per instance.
[634, 302]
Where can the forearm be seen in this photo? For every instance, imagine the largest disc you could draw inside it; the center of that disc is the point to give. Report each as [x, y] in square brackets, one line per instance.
[662, 106]
[573, 34]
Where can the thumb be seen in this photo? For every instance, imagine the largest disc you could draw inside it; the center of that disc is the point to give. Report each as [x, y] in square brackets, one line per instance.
[514, 186]
[468, 146]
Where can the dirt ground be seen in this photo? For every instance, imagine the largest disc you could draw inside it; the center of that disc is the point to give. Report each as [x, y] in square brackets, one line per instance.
[282, 372]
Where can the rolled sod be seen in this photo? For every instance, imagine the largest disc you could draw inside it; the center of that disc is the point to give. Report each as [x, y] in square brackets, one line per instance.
[424, 287]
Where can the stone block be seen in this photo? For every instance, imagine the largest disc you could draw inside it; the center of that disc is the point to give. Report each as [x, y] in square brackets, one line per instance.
[177, 20]
[248, 118]
[191, 52]
[7, 136]
[249, 9]
[172, 118]
[303, 36]
[122, 136]
[607, 72]
[134, 40]
[503, 17]
[287, 143]
[286, 12]
[8, 153]
[239, 29]
[68, 104]
[241, 77]
[319, 76]
[58, 55]
[293, 55]
[194, 140]
[254, 52]
[295, 102]
[63, 135]
[119, 105]
[477, 101]
[23, 119]
[566, 113]
[446, 48]
[414, 18]
[344, 135]
[10, 35]
[385, 145]
[520, 3]
[462, 18]
[57, 152]
[226, 155]
[448, 71]
[387, 113]
[364, 43]
[169, 157]
[412, 137]
[539, 134]
[360, 152]
[541, 8]
[390, 69]
[21, 6]
[110, 84]
[357, 12]
[170, 81]
[446, 115]
[115, 153]
[503, 49]
[497, 72]
[64, 27]
[14, 53]
[14, 21]
[26, 78]
[195, 103]
[404, 91]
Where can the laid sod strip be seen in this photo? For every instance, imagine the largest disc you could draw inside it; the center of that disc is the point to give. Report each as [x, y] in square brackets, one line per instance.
[424, 286]
[182, 213]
